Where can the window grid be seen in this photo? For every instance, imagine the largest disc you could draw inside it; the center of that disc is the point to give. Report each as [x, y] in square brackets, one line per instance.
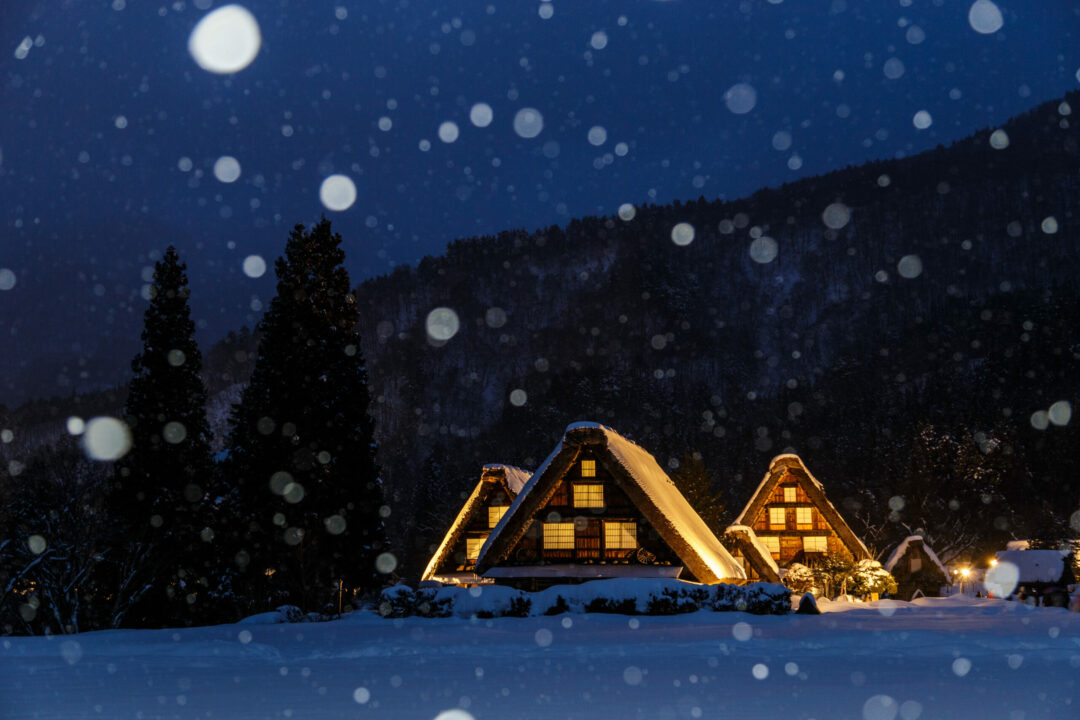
[495, 514]
[559, 536]
[472, 548]
[588, 495]
[789, 494]
[772, 544]
[815, 543]
[777, 518]
[804, 518]
[588, 468]
[620, 535]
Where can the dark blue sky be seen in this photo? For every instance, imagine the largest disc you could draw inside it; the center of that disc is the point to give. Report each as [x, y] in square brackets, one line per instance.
[102, 106]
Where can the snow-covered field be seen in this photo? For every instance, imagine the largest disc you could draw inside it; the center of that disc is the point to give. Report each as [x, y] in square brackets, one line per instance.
[937, 658]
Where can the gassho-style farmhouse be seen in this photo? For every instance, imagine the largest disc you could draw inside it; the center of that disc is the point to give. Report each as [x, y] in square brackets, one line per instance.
[600, 506]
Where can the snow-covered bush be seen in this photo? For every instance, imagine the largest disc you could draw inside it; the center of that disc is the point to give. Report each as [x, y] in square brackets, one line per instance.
[868, 576]
[799, 578]
[674, 601]
[627, 596]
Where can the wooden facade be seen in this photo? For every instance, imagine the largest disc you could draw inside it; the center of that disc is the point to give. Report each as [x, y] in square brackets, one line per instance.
[602, 507]
[793, 519]
[916, 569]
[744, 546]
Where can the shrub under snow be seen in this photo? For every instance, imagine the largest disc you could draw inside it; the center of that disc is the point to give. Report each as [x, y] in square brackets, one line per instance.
[628, 596]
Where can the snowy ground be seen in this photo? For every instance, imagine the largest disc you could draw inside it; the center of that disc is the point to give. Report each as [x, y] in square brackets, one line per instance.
[938, 658]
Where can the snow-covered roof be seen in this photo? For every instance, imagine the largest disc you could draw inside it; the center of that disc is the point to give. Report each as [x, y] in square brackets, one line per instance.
[647, 485]
[795, 466]
[1045, 566]
[514, 478]
[750, 541]
[902, 549]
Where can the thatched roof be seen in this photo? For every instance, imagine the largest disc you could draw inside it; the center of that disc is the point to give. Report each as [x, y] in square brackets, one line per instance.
[793, 465]
[915, 541]
[757, 555]
[506, 477]
[637, 474]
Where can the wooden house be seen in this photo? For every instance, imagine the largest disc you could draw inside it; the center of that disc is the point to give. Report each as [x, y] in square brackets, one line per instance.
[793, 519]
[600, 507]
[916, 568]
[757, 562]
[455, 558]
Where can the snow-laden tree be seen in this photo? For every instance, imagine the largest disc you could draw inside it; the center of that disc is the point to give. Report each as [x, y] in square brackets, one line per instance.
[305, 484]
[799, 578]
[159, 501]
[868, 576]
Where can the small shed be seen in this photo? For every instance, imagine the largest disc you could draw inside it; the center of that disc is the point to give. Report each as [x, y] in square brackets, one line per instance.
[1040, 573]
[916, 568]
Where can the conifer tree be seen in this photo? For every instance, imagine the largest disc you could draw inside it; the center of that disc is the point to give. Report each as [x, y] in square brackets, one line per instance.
[159, 498]
[696, 485]
[302, 448]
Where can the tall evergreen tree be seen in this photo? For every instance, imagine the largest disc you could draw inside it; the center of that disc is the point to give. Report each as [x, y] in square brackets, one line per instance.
[302, 448]
[159, 499]
[696, 484]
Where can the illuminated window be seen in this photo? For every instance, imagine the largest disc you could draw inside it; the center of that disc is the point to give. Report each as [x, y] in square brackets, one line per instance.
[776, 518]
[789, 494]
[804, 518]
[916, 564]
[472, 547]
[589, 495]
[559, 536]
[620, 535]
[588, 468]
[495, 513]
[815, 543]
[772, 544]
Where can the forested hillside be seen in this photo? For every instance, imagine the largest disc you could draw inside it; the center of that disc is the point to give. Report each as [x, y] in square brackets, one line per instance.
[916, 389]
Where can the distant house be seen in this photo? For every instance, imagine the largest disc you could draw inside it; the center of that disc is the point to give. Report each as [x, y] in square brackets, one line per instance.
[455, 558]
[1039, 572]
[747, 548]
[600, 507]
[793, 519]
[916, 568]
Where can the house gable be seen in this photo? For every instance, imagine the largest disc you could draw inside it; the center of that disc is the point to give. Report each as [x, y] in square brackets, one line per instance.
[794, 520]
[603, 502]
[455, 558]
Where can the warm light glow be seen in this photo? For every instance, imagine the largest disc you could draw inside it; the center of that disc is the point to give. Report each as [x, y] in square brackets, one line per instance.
[965, 572]
[588, 495]
[993, 562]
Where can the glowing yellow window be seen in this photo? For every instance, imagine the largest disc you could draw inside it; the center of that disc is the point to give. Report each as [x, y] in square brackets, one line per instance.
[777, 518]
[772, 544]
[789, 494]
[804, 518]
[588, 495]
[588, 468]
[815, 544]
[559, 536]
[620, 535]
[472, 547]
[495, 513]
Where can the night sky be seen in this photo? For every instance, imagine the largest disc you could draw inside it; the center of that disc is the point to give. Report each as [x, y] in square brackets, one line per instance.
[110, 132]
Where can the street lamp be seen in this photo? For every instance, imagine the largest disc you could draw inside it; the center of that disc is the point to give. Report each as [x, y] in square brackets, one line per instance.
[964, 572]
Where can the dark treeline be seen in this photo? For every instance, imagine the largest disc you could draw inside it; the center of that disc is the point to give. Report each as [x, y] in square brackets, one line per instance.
[910, 398]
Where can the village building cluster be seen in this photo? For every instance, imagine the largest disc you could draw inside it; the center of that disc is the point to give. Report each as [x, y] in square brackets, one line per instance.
[601, 506]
